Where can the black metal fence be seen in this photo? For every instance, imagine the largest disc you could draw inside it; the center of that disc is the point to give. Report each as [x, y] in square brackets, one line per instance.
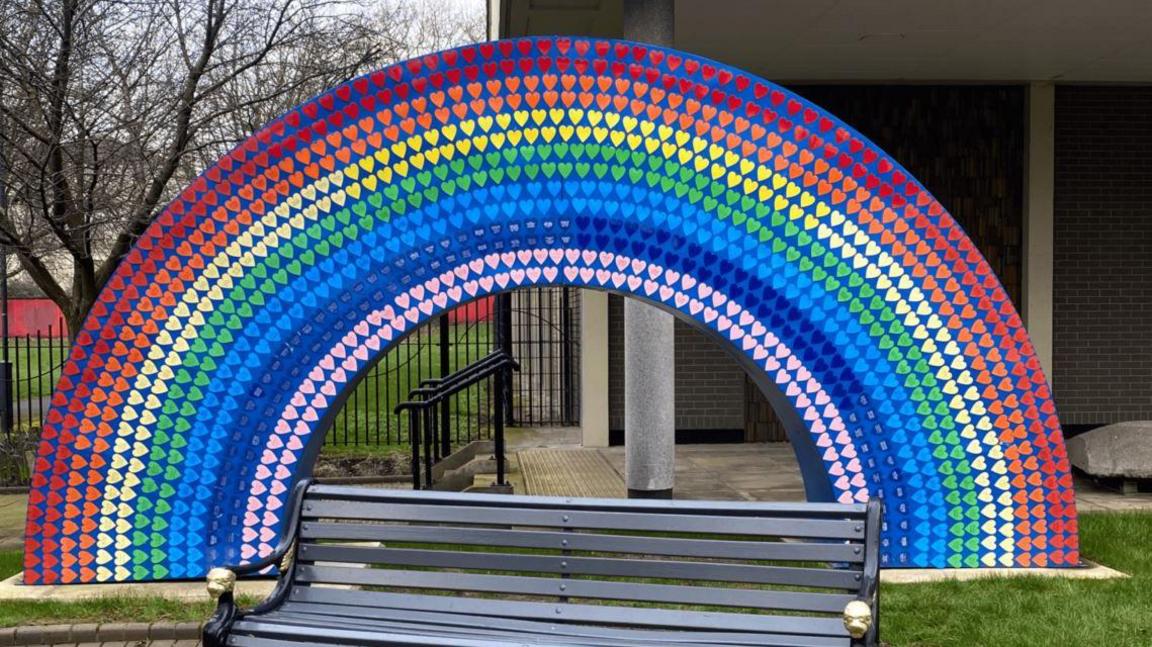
[543, 337]
[33, 363]
[545, 340]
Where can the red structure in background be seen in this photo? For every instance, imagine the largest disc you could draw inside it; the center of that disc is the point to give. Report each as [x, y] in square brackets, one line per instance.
[480, 310]
[29, 316]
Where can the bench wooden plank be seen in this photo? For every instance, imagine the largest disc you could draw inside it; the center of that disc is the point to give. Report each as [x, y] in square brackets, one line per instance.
[489, 623]
[269, 634]
[441, 624]
[573, 565]
[849, 552]
[577, 588]
[574, 613]
[631, 521]
[647, 506]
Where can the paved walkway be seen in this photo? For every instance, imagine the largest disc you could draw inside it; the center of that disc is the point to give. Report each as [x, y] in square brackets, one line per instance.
[748, 472]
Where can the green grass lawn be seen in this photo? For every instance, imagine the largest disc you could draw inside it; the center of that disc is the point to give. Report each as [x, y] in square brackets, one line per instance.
[1024, 611]
[1037, 610]
[367, 418]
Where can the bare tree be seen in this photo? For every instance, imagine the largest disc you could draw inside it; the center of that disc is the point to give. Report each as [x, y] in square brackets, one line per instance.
[108, 107]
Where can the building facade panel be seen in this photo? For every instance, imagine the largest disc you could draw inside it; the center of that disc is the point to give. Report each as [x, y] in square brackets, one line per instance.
[1102, 291]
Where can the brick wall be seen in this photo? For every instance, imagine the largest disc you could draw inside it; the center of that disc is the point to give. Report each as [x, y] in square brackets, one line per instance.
[965, 144]
[1102, 323]
[709, 383]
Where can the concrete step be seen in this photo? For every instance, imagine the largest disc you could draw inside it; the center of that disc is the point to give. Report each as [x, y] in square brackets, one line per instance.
[458, 472]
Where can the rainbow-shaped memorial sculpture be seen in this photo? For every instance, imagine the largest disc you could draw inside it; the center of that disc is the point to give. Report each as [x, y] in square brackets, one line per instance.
[200, 386]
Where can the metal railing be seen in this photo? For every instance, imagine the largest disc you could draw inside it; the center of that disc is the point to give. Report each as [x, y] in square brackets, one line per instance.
[30, 366]
[429, 425]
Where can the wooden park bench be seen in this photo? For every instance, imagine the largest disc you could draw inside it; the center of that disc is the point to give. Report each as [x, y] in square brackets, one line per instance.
[362, 566]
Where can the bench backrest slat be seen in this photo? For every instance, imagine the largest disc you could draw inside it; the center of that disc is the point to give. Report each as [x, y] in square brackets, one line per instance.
[647, 506]
[574, 565]
[669, 522]
[578, 588]
[852, 552]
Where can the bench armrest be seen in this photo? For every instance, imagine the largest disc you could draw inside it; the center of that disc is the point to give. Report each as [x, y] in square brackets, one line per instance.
[861, 616]
[221, 580]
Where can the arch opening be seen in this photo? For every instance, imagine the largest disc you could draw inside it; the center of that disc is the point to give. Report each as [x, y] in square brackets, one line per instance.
[219, 346]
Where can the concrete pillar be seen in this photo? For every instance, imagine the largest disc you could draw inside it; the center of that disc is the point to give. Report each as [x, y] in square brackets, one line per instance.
[650, 21]
[594, 368]
[1040, 177]
[494, 9]
[649, 337]
[649, 401]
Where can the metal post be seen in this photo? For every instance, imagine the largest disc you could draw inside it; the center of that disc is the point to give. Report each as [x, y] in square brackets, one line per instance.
[445, 406]
[499, 380]
[567, 414]
[429, 433]
[6, 394]
[504, 343]
[414, 437]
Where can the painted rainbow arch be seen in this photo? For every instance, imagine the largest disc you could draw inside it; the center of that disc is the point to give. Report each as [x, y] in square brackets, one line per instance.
[215, 353]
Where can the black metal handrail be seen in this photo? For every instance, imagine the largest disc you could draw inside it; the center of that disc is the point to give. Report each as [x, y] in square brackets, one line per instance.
[422, 413]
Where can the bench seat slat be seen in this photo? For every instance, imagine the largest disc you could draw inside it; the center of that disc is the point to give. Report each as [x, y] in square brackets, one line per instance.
[470, 626]
[575, 613]
[572, 565]
[584, 541]
[630, 521]
[645, 506]
[271, 634]
[471, 622]
[577, 588]
[446, 631]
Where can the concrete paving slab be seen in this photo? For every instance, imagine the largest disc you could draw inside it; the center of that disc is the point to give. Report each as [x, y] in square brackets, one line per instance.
[13, 588]
[1090, 571]
[569, 472]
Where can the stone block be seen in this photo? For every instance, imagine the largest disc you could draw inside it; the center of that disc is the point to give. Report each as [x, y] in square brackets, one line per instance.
[1121, 450]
